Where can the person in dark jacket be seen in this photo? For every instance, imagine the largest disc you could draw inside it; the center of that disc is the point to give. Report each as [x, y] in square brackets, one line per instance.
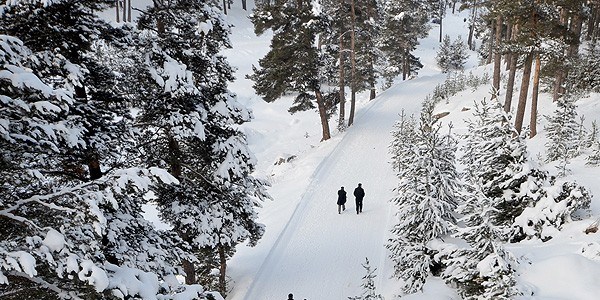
[359, 193]
[341, 202]
[291, 297]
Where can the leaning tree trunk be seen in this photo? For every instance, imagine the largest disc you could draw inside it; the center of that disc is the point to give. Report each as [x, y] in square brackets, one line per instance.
[497, 58]
[523, 93]
[322, 115]
[353, 64]
[534, 97]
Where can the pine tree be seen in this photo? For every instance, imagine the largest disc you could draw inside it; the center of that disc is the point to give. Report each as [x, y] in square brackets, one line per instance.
[368, 284]
[191, 128]
[404, 22]
[404, 136]
[484, 239]
[537, 212]
[563, 132]
[427, 197]
[444, 55]
[293, 63]
[71, 192]
[451, 56]
[459, 54]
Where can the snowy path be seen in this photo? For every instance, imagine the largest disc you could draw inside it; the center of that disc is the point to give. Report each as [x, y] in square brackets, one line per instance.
[319, 253]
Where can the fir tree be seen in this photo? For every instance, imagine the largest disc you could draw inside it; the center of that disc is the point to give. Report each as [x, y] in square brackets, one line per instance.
[191, 128]
[71, 192]
[368, 284]
[451, 56]
[563, 132]
[464, 267]
[537, 211]
[427, 197]
[404, 23]
[404, 136]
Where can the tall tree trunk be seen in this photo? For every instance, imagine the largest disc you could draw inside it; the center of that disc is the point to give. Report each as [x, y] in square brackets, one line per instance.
[225, 6]
[523, 93]
[222, 271]
[509, 33]
[592, 23]
[510, 84]
[473, 16]
[124, 10]
[441, 24]
[118, 11]
[497, 58]
[322, 115]
[190, 272]
[353, 64]
[342, 87]
[405, 63]
[129, 11]
[534, 96]
[244, 6]
[575, 29]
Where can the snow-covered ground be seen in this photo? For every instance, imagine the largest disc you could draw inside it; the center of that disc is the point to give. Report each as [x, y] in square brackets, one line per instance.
[311, 251]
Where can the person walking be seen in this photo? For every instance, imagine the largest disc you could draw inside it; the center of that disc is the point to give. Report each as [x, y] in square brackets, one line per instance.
[359, 193]
[341, 202]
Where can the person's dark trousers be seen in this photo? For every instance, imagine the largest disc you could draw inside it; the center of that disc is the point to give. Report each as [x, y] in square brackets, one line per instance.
[358, 206]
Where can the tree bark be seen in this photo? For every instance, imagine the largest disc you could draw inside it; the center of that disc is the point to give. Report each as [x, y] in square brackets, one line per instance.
[575, 29]
[244, 6]
[222, 271]
[129, 11]
[441, 21]
[118, 12]
[510, 84]
[225, 6]
[405, 63]
[353, 64]
[322, 115]
[190, 272]
[342, 87]
[472, 28]
[523, 93]
[534, 97]
[509, 33]
[497, 58]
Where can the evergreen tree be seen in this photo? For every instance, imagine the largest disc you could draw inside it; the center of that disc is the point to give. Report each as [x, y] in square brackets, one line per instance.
[293, 63]
[368, 284]
[563, 132]
[427, 197]
[404, 22]
[452, 56]
[71, 192]
[539, 210]
[464, 267]
[404, 136]
[584, 76]
[191, 128]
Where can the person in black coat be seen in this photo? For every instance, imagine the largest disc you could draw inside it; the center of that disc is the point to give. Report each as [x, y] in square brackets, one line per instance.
[341, 202]
[359, 193]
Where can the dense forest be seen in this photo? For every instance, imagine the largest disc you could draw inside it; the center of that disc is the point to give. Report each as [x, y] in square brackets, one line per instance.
[97, 120]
